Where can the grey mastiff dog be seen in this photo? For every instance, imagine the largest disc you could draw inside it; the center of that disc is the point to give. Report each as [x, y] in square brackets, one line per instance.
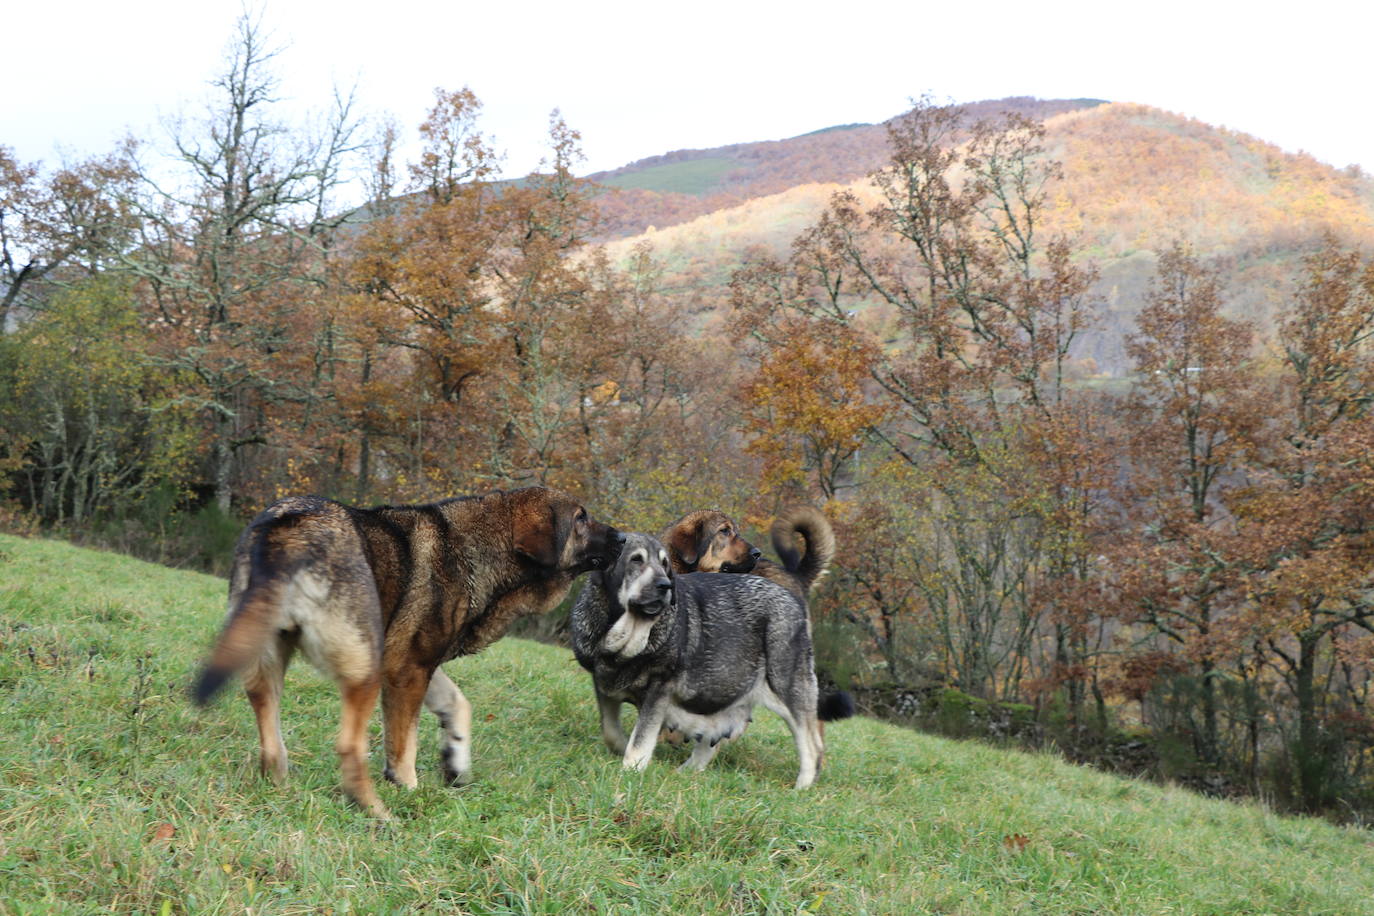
[696, 653]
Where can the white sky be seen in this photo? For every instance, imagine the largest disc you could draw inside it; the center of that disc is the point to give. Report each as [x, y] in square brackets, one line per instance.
[642, 78]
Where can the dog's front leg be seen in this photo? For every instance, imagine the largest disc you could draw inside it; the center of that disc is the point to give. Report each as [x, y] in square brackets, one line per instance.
[612, 732]
[445, 700]
[652, 711]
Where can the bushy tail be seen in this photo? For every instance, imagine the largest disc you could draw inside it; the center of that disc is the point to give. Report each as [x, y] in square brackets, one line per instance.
[251, 624]
[809, 559]
[835, 706]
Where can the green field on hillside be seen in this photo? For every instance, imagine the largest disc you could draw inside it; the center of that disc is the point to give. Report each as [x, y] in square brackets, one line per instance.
[116, 795]
[697, 176]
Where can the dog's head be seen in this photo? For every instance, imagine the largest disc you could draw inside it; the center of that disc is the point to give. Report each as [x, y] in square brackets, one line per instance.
[554, 531]
[708, 541]
[639, 587]
[640, 581]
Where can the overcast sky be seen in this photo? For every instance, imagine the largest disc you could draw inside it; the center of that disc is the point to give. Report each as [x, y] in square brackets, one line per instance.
[642, 78]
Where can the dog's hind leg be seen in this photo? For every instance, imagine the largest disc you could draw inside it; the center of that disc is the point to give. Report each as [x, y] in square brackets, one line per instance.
[359, 699]
[804, 732]
[402, 694]
[612, 732]
[262, 681]
[445, 700]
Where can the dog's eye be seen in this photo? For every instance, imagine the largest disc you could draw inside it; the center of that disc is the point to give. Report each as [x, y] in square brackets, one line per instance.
[724, 531]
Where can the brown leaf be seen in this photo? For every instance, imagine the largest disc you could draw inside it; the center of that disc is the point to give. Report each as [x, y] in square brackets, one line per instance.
[163, 833]
[1015, 843]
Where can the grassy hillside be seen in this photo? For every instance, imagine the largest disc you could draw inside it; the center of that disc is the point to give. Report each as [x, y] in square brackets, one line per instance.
[116, 795]
[696, 176]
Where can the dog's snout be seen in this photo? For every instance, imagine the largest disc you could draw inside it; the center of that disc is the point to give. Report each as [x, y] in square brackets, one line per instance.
[755, 554]
[617, 537]
[663, 585]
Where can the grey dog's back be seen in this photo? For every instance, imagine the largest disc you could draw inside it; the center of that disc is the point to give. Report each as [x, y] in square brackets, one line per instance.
[733, 623]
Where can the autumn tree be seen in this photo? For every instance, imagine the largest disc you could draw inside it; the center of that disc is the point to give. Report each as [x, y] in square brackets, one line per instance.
[233, 229]
[810, 410]
[1308, 518]
[541, 287]
[421, 309]
[476, 279]
[1194, 411]
[72, 219]
[89, 427]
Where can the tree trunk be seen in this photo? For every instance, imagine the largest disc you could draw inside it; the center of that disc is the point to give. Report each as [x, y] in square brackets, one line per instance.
[364, 468]
[1208, 742]
[1310, 755]
[222, 463]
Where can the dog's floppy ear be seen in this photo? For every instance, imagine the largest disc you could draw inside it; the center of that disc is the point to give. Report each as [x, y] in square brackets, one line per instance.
[536, 533]
[684, 544]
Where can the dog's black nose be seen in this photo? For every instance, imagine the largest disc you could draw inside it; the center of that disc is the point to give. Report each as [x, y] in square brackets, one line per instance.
[663, 585]
[755, 554]
[617, 537]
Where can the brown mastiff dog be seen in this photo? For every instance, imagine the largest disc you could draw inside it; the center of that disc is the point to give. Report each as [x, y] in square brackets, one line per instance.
[379, 598]
[709, 541]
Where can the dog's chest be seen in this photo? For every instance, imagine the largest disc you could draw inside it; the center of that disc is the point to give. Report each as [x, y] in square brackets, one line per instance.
[623, 682]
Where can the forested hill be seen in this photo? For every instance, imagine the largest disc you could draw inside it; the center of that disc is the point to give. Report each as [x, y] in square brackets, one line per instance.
[1135, 179]
[677, 186]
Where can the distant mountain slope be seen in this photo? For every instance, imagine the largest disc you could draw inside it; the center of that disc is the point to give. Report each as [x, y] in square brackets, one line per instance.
[1135, 178]
[681, 185]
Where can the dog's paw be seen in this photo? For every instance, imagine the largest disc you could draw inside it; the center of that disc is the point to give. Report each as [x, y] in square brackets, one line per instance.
[455, 764]
[455, 778]
[405, 783]
[274, 770]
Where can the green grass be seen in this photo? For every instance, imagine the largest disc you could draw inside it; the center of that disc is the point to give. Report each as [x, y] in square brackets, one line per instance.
[697, 176]
[100, 750]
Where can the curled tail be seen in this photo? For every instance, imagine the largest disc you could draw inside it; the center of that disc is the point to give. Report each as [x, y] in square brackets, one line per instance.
[809, 559]
[834, 706]
[251, 624]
